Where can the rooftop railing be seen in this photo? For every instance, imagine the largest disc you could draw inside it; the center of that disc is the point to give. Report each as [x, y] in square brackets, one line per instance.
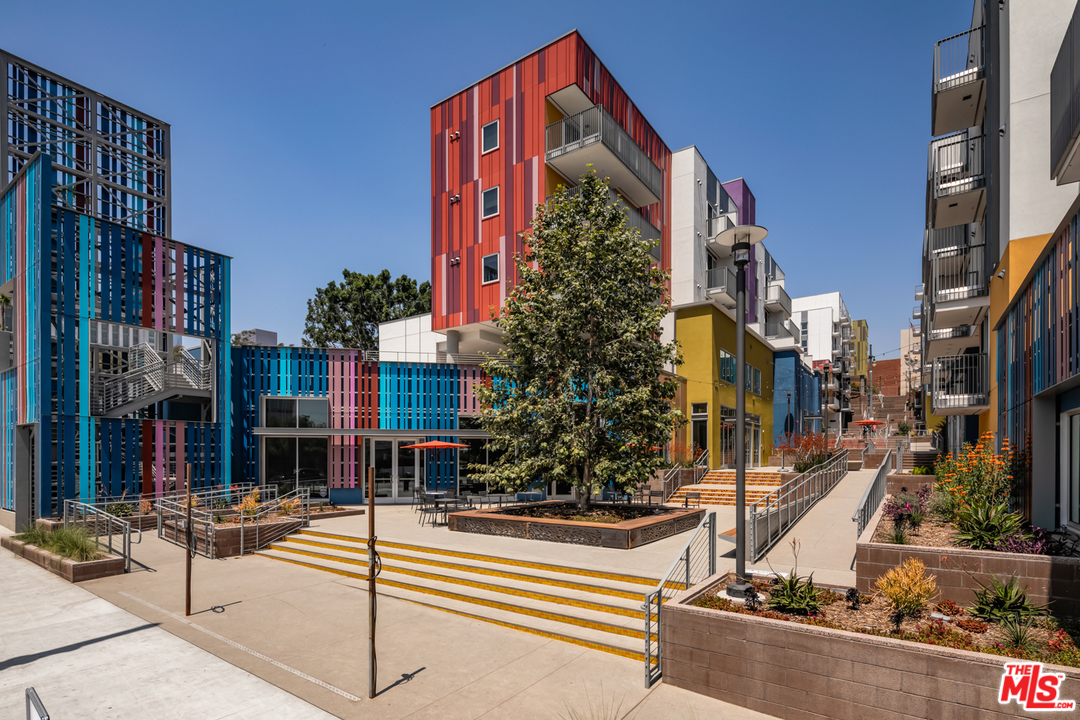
[596, 125]
[1065, 96]
[958, 60]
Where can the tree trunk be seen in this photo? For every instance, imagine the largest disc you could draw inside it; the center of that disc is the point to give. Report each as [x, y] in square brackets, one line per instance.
[585, 492]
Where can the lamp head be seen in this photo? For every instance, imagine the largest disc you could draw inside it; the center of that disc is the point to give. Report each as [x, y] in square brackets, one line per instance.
[739, 239]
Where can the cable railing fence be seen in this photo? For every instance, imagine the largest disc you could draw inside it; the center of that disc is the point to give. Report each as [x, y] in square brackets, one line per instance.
[774, 514]
[872, 497]
[696, 563]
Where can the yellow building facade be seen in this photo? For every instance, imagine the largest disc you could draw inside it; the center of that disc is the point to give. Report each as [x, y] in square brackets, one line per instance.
[706, 335]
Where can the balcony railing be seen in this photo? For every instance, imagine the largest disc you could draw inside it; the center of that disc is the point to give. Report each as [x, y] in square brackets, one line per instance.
[720, 223]
[960, 382]
[958, 165]
[777, 298]
[919, 289]
[596, 125]
[943, 241]
[960, 274]
[634, 219]
[1065, 102]
[958, 60]
[777, 330]
[721, 285]
[916, 312]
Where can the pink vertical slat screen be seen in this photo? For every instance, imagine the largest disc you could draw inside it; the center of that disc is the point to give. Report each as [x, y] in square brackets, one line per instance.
[179, 307]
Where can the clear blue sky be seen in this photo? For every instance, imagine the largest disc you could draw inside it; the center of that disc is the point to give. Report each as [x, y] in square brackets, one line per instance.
[300, 130]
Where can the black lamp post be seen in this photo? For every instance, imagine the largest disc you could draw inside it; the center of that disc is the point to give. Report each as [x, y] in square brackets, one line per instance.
[740, 239]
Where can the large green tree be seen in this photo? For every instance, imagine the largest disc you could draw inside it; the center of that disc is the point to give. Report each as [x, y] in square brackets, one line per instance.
[579, 394]
[347, 314]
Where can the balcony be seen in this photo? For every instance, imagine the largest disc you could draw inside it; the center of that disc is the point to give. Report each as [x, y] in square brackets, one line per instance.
[783, 334]
[777, 299]
[959, 93]
[1065, 106]
[916, 312]
[714, 227]
[593, 136]
[634, 219]
[958, 286]
[960, 385]
[944, 341]
[945, 241]
[919, 289]
[958, 180]
[720, 286]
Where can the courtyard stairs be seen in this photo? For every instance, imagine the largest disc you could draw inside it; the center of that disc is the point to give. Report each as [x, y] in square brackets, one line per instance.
[717, 487]
[587, 607]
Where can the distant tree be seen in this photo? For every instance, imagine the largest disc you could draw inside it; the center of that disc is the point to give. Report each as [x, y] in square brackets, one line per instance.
[244, 337]
[579, 395]
[347, 314]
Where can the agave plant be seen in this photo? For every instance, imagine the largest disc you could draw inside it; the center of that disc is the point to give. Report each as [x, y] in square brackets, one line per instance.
[1002, 600]
[983, 526]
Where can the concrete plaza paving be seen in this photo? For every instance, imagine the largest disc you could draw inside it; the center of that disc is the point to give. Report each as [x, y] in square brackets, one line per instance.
[313, 626]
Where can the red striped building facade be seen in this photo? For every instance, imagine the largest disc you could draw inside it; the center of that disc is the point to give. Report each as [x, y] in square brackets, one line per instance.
[525, 97]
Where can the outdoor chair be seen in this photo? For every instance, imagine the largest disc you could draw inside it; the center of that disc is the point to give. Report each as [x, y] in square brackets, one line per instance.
[658, 495]
[694, 496]
[418, 498]
[429, 508]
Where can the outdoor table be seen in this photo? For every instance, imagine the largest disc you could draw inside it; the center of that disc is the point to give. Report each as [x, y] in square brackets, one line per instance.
[437, 494]
[498, 497]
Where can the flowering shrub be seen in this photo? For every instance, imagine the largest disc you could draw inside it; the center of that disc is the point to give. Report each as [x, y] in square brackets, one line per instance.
[976, 475]
[249, 506]
[810, 450]
[146, 507]
[908, 588]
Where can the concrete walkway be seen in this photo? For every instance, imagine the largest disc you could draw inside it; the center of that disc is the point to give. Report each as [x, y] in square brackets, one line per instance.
[305, 631]
[88, 658]
[826, 536]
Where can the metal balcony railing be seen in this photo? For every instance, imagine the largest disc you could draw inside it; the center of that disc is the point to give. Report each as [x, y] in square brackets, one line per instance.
[634, 219]
[958, 164]
[596, 125]
[958, 60]
[148, 373]
[721, 282]
[776, 296]
[960, 382]
[959, 274]
[777, 331]
[720, 223]
[1065, 96]
[952, 333]
[916, 312]
[919, 289]
[943, 241]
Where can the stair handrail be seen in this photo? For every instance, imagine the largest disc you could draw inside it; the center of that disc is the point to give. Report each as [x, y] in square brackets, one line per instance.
[184, 364]
[254, 520]
[694, 564]
[871, 497]
[702, 464]
[102, 524]
[672, 474]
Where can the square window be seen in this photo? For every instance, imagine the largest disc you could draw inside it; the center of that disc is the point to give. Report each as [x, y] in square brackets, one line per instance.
[491, 202]
[489, 137]
[491, 268]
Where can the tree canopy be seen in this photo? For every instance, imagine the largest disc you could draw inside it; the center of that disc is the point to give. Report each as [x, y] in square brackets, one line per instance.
[347, 314]
[579, 395]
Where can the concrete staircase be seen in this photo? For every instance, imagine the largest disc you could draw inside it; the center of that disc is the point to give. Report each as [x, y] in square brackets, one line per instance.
[591, 608]
[717, 487]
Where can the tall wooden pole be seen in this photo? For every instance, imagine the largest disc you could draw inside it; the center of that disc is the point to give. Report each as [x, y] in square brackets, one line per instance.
[189, 536]
[372, 670]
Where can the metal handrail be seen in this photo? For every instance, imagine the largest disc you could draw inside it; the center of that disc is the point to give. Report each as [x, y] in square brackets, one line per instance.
[783, 507]
[960, 381]
[594, 125]
[872, 497]
[270, 509]
[104, 525]
[958, 164]
[672, 475]
[958, 60]
[694, 564]
[959, 274]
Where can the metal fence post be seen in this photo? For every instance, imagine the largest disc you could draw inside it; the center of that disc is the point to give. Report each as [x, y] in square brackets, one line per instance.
[712, 543]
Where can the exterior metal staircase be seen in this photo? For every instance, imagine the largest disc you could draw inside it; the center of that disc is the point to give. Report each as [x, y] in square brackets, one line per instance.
[151, 379]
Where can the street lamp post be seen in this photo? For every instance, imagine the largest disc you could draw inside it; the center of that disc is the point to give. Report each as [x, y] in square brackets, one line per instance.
[740, 239]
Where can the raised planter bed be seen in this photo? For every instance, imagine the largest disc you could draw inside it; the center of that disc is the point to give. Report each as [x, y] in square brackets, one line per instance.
[896, 482]
[1054, 580]
[623, 535]
[790, 670]
[66, 568]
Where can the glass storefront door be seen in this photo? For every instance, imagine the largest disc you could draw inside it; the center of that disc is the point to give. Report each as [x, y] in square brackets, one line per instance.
[397, 469]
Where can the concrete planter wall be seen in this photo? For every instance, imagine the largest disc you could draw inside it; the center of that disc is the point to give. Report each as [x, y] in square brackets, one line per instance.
[227, 540]
[66, 568]
[1054, 580]
[790, 670]
[895, 482]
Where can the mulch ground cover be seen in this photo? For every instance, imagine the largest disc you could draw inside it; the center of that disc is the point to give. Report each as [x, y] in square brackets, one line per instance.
[595, 514]
[931, 533]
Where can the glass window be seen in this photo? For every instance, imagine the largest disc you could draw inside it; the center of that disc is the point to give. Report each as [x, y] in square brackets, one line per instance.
[699, 408]
[280, 412]
[313, 413]
[749, 377]
[757, 381]
[490, 134]
[311, 466]
[491, 202]
[280, 468]
[491, 268]
[727, 367]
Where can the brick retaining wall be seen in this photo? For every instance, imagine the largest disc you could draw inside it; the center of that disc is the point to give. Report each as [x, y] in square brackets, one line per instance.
[798, 671]
[65, 567]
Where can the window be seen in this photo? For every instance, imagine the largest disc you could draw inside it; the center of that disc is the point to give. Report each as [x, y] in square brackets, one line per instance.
[291, 412]
[757, 381]
[490, 137]
[699, 409]
[727, 367]
[491, 268]
[749, 377]
[491, 202]
[292, 463]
